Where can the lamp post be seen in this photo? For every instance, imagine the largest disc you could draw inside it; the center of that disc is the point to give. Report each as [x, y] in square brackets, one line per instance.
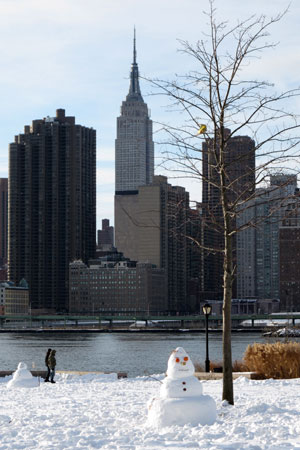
[206, 311]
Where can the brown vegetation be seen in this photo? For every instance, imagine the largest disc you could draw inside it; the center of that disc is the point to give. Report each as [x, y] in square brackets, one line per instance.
[278, 360]
[237, 366]
[199, 367]
[240, 366]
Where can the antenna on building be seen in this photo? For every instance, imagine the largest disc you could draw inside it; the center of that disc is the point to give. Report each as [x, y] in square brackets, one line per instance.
[134, 46]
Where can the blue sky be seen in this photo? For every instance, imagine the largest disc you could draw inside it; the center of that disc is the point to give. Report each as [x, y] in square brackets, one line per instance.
[76, 55]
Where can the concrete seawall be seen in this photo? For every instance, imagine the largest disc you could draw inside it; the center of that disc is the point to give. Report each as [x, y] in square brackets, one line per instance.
[43, 373]
[199, 375]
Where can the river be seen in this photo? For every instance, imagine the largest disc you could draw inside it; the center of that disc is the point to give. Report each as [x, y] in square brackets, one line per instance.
[136, 353]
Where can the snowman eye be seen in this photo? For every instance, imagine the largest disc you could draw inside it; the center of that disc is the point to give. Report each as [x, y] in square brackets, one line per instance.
[185, 358]
[177, 360]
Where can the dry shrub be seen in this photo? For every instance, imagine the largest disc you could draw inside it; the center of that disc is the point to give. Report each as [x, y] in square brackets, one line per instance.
[199, 367]
[278, 360]
[240, 366]
[237, 366]
[215, 365]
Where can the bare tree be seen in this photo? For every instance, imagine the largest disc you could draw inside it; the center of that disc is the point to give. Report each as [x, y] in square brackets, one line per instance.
[217, 105]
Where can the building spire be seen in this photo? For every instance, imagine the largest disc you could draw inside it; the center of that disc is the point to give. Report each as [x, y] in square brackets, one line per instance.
[134, 88]
[134, 47]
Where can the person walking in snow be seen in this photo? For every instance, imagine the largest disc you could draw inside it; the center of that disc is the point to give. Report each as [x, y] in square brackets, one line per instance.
[47, 365]
[52, 364]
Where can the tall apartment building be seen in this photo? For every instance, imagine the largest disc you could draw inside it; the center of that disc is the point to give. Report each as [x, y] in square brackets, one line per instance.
[134, 148]
[259, 248]
[246, 253]
[239, 161]
[151, 226]
[3, 219]
[51, 206]
[289, 248]
[195, 266]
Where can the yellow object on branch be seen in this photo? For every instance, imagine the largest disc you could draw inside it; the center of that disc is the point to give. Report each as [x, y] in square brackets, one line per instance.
[202, 129]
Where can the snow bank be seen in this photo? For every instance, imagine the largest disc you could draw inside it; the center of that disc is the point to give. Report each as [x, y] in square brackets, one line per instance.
[180, 411]
[88, 378]
[86, 415]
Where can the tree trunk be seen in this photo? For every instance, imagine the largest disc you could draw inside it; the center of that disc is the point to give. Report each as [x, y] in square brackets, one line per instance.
[227, 295]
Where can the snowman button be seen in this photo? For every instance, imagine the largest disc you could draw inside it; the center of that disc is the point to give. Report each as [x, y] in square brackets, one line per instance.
[183, 382]
[184, 389]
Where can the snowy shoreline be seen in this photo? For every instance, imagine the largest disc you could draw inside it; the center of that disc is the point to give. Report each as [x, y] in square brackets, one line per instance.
[102, 412]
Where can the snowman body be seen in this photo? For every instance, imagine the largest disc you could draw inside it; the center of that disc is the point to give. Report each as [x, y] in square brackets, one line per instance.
[23, 378]
[181, 400]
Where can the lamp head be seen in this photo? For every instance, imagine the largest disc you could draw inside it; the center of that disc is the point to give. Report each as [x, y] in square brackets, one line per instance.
[206, 309]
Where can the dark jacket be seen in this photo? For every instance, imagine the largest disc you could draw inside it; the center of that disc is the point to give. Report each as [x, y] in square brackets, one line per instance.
[52, 360]
[47, 356]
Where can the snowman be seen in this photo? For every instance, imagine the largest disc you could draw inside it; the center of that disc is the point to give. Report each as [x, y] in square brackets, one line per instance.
[181, 400]
[23, 378]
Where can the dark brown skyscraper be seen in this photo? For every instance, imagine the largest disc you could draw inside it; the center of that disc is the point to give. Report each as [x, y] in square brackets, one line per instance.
[52, 206]
[106, 235]
[3, 220]
[239, 163]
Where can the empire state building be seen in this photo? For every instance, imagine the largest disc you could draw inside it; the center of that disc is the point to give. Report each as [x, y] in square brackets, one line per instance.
[134, 148]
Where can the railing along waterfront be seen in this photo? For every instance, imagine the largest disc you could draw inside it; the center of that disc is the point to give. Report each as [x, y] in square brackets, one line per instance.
[182, 320]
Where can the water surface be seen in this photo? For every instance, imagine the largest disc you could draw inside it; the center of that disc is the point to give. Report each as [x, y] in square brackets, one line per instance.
[136, 353]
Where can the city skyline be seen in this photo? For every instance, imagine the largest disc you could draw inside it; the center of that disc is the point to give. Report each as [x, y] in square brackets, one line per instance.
[77, 56]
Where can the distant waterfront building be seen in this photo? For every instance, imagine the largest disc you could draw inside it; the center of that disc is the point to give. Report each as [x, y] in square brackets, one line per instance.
[151, 226]
[271, 208]
[134, 148]
[3, 220]
[106, 234]
[247, 306]
[51, 206]
[246, 253]
[3, 273]
[151, 216]
[195, 266]
[142, 198]
[2, 299]
[262, 259]
[239, 159]
[289, 247]
[14, 299]
[116, 284]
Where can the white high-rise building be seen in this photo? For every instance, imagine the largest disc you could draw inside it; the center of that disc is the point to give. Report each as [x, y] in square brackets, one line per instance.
[134, 148]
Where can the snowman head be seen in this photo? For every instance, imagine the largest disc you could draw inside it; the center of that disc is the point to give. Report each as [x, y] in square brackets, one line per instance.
[22, 365]
[180, 364]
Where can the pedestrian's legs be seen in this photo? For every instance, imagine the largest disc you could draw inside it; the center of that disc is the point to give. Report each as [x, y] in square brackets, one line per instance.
[52, 374]
[48, 374]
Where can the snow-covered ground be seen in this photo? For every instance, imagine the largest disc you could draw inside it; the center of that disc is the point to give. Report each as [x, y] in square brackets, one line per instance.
[101, 412]
[269, 323]
[284, 332]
